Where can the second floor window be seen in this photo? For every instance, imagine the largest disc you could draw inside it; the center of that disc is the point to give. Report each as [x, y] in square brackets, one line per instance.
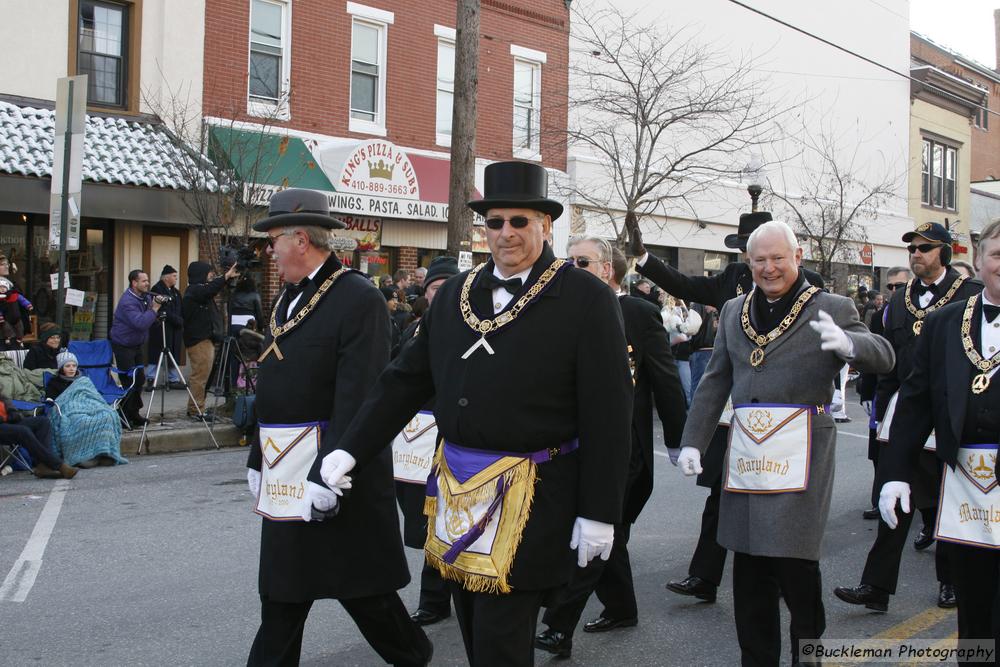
[938, 175]
[527, 106]
[445, 87]
[102, 51]
[366, 71]
[266, 50]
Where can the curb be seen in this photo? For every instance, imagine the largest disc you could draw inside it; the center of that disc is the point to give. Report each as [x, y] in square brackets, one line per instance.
[179, 436]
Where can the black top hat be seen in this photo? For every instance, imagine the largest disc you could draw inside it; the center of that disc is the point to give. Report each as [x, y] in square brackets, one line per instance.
[516, 185]
[748, 223]
[297, 206]
[932, 231]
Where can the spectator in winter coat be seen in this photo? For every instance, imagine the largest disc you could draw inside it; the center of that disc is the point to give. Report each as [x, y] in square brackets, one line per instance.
[173, 324]
[202, 327]
[68, 370]
[43, 354]
[134, 317]
[34, 434]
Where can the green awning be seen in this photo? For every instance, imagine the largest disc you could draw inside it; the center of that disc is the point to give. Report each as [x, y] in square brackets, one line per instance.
[267, 159]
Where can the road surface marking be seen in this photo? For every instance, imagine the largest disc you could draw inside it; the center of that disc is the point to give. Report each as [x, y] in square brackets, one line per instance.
[907, 629]
[22, 575]
[852, 435]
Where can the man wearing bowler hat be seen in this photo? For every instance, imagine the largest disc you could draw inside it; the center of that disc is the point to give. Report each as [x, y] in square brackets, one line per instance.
[709, 559]
[326, 342]
[526, 358]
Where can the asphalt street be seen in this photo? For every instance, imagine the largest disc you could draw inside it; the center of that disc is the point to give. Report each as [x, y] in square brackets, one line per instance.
[155, 563]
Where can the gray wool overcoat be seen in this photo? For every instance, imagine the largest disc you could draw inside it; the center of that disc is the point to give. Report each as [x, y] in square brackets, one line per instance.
[795, 371]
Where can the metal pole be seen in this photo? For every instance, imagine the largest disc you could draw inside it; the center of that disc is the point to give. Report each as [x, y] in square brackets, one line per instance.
[64, 211]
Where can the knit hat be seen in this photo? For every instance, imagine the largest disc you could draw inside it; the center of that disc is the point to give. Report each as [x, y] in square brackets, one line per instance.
[167, 270]
[389, 293]
[64, 358]
[441, 267]
[48, 330]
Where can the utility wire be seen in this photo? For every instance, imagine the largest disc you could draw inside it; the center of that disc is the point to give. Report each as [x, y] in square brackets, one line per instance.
[853, 53]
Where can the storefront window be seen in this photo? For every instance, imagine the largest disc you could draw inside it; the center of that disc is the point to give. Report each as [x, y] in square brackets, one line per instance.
[24, 239]
[717, 261]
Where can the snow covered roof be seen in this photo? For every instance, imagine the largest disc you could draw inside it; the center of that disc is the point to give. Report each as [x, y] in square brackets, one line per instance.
[116, 150]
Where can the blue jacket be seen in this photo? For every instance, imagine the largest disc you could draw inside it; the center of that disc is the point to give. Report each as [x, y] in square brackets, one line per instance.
[133, 319]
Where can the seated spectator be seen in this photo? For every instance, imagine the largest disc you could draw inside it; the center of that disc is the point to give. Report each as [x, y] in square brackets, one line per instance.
[44, 353]
[85, 430]
[68, 371]
[34, 434]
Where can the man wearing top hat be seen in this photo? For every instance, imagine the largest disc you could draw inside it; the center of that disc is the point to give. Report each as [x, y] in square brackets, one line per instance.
[953, 390]
[935, 284]
[526, 358]
[709, 559]
[326, 342]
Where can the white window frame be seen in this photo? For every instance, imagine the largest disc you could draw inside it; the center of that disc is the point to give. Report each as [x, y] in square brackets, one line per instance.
[445, 35]
[948, 153]
[262, 108]
[381, 20]
[521, 153]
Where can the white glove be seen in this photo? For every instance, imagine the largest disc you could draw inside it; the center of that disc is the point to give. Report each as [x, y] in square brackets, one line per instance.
[673, 453]
[253, 481]
[834, 338]
[591, 538]
[689, 461]
[320, 497]
[334, 470]
[891, 491]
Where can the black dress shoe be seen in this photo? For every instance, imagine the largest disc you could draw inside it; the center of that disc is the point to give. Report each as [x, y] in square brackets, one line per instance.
[871, 514]
[696, 586]
[924, 539]
[869, 596]
[424, 617]
[946, 597]
[555, 643]
[602, 624]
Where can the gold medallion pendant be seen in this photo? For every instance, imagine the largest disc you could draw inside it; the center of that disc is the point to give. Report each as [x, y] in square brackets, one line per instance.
[757, 357]
[763, 340]
[980, 383]
[917, 327]
[921, 313]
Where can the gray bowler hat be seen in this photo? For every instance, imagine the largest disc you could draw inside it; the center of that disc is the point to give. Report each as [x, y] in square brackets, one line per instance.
[297, 206]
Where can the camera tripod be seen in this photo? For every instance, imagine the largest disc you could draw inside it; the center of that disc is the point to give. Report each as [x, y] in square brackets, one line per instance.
[166, 356]
[230, 346]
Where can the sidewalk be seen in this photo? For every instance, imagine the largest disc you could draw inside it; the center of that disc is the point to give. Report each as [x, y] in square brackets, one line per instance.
[171, 430]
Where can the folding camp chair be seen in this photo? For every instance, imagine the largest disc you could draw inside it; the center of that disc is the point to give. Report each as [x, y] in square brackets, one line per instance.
[96, 361]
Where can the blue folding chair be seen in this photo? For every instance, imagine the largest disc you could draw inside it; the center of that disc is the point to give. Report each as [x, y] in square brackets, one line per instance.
[96, 361]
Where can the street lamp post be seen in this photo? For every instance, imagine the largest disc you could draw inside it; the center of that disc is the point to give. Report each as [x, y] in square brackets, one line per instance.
[755, 177]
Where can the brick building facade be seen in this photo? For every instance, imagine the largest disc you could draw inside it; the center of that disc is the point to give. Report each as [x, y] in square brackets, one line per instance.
[363, 90]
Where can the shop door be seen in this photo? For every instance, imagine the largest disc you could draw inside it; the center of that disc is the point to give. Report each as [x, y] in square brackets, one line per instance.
[165, 246]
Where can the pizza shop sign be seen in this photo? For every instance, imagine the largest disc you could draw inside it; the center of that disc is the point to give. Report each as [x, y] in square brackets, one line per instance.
[379, 168]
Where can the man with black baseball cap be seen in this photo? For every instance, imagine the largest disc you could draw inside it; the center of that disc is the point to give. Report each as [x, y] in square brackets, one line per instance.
[326, 343]
[934, 286]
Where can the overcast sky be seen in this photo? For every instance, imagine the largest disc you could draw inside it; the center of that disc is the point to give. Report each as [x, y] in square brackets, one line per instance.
[965, 26]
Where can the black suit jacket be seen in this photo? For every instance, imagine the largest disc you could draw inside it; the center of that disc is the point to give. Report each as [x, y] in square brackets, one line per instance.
[715, 290]
[560, 371]
[331, 360]
[657, 383]
[934, 396]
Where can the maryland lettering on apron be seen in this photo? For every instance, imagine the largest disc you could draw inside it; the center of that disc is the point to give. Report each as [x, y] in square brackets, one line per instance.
[769, 448]
[413, 449]
[969, 504]
[882, 435]
[288, 452]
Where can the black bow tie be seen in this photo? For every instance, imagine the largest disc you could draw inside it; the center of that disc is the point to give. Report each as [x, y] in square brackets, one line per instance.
[491, 282]
[924, 289]
[292, 290]
[990, 312]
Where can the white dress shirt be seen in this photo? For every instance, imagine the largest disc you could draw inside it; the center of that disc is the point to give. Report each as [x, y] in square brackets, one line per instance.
[501, 297]
[925, 299]
[989, 333]
[291, 304]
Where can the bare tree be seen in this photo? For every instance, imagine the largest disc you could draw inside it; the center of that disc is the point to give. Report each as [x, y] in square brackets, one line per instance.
[229, 175]
[664, 115]
[834, 197]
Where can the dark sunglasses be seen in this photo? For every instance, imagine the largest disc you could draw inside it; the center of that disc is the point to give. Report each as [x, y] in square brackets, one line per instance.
[924, 247]
[582, 262]
[271, 240]
[896, 286]
[517, 222]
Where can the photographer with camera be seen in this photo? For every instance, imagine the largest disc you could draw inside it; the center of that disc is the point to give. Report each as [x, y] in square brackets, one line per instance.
[135, 315]
[166, 291]
[203, 326]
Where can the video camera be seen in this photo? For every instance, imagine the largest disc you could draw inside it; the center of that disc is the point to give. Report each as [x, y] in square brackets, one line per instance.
[243, 257]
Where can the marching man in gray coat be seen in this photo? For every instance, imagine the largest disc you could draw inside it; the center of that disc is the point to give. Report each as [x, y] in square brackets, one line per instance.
[778, 475]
